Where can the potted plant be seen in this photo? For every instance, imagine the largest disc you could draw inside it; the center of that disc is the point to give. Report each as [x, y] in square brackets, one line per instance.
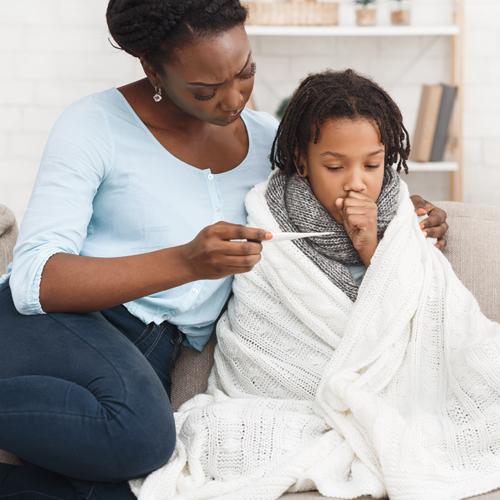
[400, 12]
[366, 12]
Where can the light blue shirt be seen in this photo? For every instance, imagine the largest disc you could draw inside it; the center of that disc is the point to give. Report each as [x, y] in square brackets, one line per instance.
[107, 188]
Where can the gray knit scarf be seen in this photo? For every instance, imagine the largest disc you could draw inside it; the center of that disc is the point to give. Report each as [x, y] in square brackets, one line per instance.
[296, 209]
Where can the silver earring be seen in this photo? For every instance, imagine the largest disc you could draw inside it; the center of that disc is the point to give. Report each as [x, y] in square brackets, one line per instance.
[157, 97]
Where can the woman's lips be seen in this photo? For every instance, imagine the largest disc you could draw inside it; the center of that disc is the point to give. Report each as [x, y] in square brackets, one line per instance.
[232, 117]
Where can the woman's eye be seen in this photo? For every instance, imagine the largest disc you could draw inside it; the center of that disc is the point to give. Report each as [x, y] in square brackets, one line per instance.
[373, 166]
[201, 97]
[333, 167]
[250, 73]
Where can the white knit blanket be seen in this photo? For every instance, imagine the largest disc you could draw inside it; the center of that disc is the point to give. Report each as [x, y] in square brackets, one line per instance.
[398, 393]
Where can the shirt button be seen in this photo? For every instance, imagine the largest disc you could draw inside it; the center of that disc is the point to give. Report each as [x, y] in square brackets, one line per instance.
[195, 291]
[210, 177]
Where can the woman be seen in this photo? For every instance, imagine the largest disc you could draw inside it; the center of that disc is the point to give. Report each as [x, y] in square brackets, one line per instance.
[121, 255]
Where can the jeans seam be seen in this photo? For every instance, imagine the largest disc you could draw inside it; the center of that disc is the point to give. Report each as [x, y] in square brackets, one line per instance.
[152, 347]
[90, 492]
[148, 330]
[125, 392]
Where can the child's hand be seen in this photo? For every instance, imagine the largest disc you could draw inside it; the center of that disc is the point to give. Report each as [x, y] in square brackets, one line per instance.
[359, 216]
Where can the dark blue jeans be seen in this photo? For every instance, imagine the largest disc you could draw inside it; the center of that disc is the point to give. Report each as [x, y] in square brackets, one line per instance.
[84, 401]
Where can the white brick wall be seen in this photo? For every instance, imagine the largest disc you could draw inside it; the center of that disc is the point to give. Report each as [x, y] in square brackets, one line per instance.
[482, 101]
[56, 51]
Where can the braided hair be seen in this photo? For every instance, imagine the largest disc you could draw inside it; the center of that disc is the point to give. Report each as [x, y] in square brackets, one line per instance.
[153, 29]
[336, 95]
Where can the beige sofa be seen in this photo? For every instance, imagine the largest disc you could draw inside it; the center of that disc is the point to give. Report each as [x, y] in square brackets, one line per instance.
[473, 250]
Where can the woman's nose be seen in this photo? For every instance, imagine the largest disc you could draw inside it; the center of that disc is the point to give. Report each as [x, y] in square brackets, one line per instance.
[233, 100]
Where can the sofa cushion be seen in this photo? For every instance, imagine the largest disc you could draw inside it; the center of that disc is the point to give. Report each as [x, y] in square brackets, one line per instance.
[473, 250]
[8, 235]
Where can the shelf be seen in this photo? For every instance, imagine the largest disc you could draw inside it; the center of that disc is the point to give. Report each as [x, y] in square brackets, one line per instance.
[433, 166]
[352, 31]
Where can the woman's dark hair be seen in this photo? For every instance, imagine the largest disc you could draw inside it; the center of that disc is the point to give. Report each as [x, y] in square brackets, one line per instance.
[336, 95]
[153, 29]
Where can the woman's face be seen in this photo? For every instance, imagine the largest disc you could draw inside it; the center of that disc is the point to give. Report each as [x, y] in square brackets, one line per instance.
[212, 78]
[348, 157]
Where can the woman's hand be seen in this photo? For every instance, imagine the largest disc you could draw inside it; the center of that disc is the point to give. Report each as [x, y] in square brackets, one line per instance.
[359, 214]
[214, 254]
[435, 226]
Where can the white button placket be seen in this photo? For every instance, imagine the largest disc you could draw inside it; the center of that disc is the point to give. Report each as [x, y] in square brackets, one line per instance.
[215, 197]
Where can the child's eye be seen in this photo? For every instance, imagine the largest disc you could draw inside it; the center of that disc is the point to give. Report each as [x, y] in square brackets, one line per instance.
[373, 166]
[333, 167]
[202, 97]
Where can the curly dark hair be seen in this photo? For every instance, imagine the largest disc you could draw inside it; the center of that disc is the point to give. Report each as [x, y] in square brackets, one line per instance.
[153, 29]
[336, 95]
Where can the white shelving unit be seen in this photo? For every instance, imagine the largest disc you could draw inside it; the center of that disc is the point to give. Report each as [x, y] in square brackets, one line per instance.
[352, 31]
[454, 32]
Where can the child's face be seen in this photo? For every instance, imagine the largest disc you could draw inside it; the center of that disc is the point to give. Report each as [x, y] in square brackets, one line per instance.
[348, 157]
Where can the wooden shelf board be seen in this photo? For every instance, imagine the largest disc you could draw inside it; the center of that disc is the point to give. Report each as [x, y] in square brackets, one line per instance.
[352, 31]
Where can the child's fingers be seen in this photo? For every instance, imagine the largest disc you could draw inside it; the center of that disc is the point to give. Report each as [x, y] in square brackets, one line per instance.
[353, 195]
[359, 210]
[359, 203]
[359, 221]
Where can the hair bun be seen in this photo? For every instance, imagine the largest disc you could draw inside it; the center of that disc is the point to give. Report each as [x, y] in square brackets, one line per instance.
[139, 26]
[154, 28]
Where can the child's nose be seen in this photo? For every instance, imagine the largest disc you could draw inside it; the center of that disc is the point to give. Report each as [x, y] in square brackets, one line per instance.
[355, 183]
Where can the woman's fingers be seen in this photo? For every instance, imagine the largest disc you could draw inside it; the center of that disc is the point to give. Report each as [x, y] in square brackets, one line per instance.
[419, 204]
[223, 249]
[441, 244]
[237, 248]
[437, 232]
[228, 231]
[436, 217]
[242, 263]
[435, 225]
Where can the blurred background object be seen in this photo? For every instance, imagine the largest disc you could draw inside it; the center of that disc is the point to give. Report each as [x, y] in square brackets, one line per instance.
[292, 12]
[400, 12]
[366, 12]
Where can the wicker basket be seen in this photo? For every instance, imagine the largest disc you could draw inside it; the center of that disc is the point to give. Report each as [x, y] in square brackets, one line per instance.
[292, 13]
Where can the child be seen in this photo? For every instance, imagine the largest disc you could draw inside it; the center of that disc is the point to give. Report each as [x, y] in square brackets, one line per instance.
[356, 363]
[336, 148]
